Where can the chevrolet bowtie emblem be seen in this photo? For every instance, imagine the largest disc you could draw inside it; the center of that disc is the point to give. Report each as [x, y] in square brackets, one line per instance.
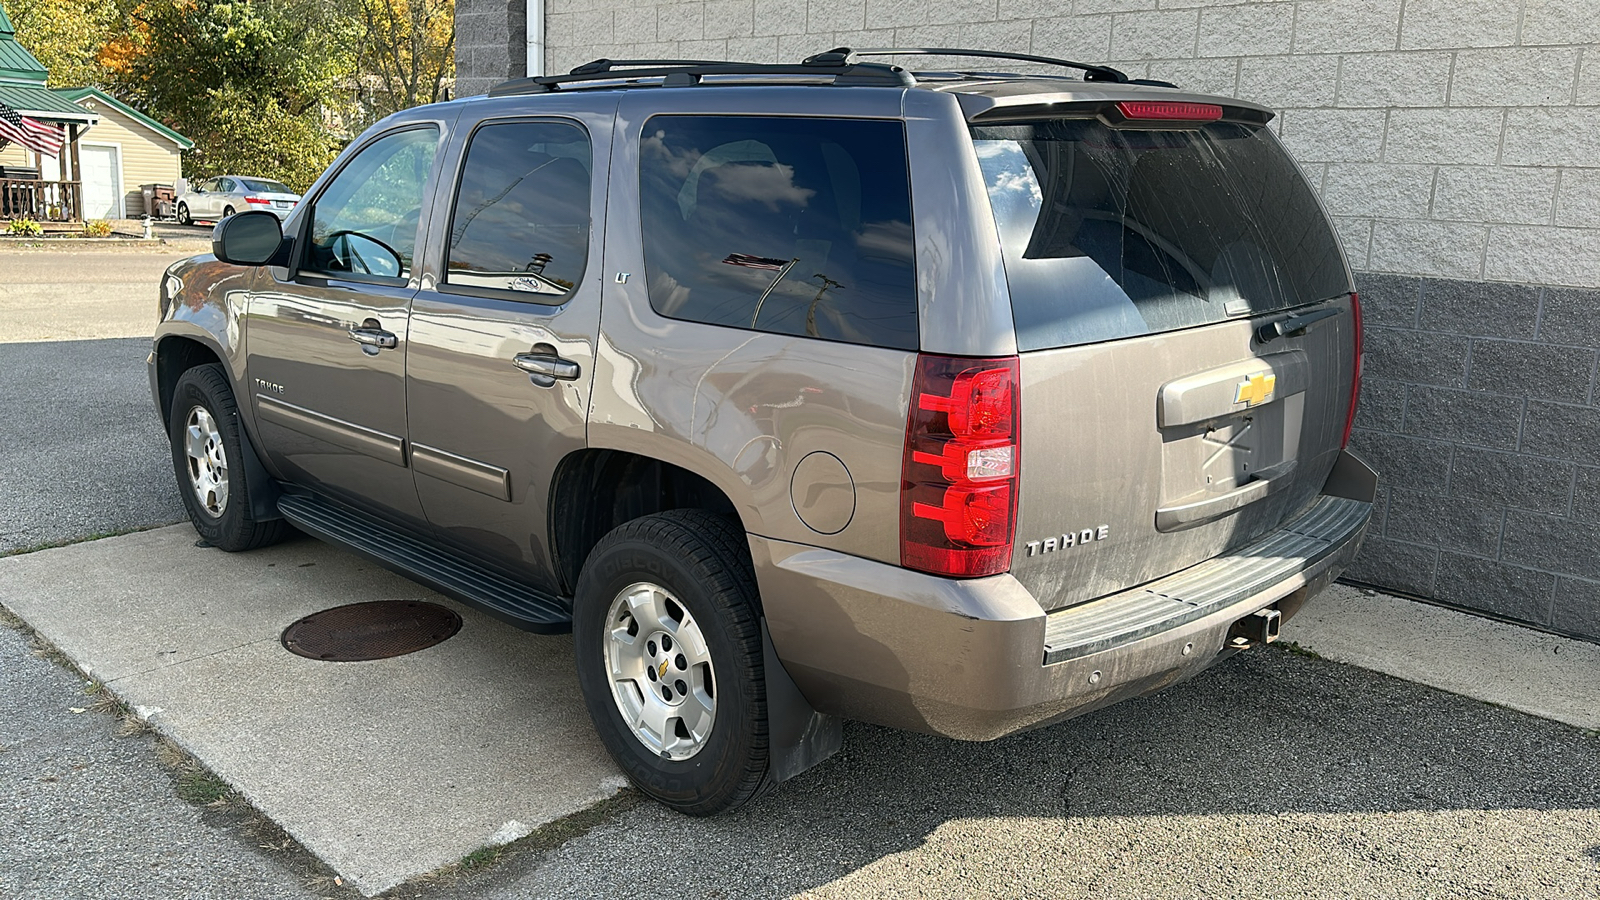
[1256, 389]
[663, 672]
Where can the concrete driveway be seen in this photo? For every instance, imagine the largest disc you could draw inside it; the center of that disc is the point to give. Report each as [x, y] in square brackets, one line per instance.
[1275, 774]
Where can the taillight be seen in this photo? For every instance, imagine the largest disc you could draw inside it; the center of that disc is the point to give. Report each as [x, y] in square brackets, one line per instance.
[257, 201]
[1165, 110]
[1355, 381]
[958, 479]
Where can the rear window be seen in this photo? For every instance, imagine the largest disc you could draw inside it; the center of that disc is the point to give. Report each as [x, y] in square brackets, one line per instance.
[797, 226]
[1110, 233]
[265, 186]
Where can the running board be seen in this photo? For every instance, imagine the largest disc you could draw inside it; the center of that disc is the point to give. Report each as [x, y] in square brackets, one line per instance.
[448, 573]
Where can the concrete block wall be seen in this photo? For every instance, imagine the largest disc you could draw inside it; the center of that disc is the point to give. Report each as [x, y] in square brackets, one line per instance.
[1457, 145]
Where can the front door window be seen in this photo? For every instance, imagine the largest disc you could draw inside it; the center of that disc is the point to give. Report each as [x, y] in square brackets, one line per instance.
[364, 224]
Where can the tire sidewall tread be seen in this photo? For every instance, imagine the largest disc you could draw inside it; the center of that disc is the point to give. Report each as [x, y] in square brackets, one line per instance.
[235, 529]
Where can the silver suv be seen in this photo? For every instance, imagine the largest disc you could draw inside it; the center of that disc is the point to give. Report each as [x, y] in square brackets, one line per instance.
[958, 402]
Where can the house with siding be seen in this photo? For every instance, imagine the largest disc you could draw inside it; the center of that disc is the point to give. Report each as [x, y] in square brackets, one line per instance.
[111, 148]
[1458, 150]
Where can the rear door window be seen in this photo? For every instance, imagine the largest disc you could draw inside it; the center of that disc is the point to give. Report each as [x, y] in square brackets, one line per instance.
[521, 219]
[791, 225]
[1109, 233]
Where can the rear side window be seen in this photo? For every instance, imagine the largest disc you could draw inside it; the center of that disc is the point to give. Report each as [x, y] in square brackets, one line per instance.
[521, 218]
[1109, 233]
[790, 225]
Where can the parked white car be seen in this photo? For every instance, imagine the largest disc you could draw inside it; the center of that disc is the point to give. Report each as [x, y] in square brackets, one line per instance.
[218, 198]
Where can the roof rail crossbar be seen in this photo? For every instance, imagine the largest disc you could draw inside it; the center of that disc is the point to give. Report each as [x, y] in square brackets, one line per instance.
[678, 72]
[1091, 72]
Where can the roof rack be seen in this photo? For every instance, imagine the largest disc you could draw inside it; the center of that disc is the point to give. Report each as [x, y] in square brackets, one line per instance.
[1091, 72]
[685, 72]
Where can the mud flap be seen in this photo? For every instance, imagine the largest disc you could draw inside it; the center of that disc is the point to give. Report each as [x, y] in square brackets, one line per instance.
[1352, 479]
[800, 737]
[263, 487]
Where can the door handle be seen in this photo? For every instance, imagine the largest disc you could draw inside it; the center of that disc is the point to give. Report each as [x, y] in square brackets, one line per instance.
[374, 337]
[546, 369]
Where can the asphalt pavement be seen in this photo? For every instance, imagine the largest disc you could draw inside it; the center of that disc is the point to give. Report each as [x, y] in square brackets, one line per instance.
[1273, 775]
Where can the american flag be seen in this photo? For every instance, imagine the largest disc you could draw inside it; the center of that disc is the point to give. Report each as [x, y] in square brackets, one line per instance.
[34, 135]
[755, 262]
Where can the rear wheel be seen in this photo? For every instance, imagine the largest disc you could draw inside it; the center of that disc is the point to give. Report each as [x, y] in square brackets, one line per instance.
[207, 457]
[183, 215]
[668, 643]
[227, 211]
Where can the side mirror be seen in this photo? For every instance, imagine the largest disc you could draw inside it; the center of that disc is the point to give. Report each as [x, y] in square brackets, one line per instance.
[250, 238]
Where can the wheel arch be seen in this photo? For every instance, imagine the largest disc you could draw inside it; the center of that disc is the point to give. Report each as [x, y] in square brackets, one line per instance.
[175, 354]
[594, 490]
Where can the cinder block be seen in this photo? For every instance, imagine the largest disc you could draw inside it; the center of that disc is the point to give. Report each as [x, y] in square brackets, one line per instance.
[1416, 357]
[727, 19]
[1334, 135]
[755, 49]
[1154, 35]
[1445, 249]
[1588, 92]
[836, 15]
[1495, 194]
[1258, 29]
[1445, 522]
[1419, 464]
[579, 29]
[895, 13]
[1564, 136]
[1378, 189]
[1562, 431]
[1082, 7]
[1445, 136]
[1571, 316]
[1347, 26]
[1415, 78]
[1577, 607]
[1480, 76]
[1544, 255]
[1486, 309]
[1015, 37]
[1395, 565]
[976, 13]
[1356, 236]
[1586, 494]
[774, 17]
[1464, 417]
[1390, 300]
[635, 26]
[1561, 22]
[1382, 405]
[1506, 590]
[1552, 543]
[1578, 202]
[1083, 38]
[1454, 24]
[680, 22]
[1208, 76]
[1511, 480]
[1281, 82]
[1537, 370]
[711, 49]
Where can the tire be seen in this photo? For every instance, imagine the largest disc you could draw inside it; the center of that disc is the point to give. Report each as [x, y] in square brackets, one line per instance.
[212, 482]
[183, 215]
[700, 565]
[227, 211]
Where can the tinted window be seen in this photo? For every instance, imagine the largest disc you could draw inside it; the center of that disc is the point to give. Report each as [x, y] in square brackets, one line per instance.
[521, 220]
[1109, 233]
[226, 185]
[791, 225]
[365, 221]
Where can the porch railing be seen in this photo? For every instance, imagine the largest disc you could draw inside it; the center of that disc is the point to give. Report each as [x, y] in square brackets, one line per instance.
[41, 201]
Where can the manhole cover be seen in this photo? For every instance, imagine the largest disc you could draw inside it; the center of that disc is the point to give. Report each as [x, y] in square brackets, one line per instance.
[376, 630]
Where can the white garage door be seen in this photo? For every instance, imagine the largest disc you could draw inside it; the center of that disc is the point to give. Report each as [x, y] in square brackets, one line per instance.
[102, 182]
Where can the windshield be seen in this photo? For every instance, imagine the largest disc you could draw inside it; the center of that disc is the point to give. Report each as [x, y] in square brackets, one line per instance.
[262, 184]
[1109, 233]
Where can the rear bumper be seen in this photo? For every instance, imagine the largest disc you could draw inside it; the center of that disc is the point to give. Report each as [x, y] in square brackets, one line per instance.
[977, 659]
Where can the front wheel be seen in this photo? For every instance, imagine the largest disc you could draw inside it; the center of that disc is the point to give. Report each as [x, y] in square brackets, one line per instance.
[207, 455]
[668, 642]
[183, 215]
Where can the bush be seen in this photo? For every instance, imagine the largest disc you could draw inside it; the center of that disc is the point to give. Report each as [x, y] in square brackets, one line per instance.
[25, 226]
[97, 228]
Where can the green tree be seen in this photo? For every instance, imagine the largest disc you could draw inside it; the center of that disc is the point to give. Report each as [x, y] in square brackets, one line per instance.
[66, 36]
[405, 54]
[248, 80]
